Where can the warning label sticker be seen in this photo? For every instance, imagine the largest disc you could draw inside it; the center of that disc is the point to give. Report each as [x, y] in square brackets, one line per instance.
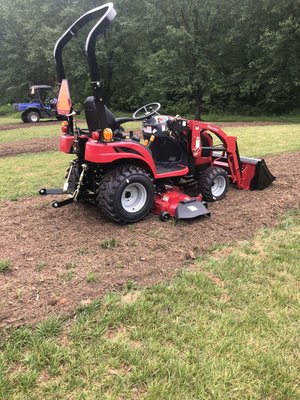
[192, 208]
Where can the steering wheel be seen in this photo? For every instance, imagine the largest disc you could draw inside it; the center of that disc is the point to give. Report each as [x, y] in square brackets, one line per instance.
[149, 110]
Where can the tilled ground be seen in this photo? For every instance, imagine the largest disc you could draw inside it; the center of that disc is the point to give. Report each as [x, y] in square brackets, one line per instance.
[35, 145]
[58, 262]
[21, 125]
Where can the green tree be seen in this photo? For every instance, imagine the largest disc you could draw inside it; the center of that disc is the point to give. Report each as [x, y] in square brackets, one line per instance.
[234, 55]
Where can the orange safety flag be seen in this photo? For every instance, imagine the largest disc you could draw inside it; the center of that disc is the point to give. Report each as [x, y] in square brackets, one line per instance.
[64, 103]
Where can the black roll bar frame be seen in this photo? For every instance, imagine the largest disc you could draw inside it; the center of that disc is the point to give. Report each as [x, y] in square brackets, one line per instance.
[106, 13]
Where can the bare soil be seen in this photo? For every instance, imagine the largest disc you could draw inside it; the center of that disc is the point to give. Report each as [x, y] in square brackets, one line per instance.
[58, 261]
[21, 125]
[35, 145]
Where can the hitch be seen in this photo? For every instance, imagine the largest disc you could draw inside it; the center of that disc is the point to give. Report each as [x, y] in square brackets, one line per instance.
[57, 204]
[47, 192]
[73, 197]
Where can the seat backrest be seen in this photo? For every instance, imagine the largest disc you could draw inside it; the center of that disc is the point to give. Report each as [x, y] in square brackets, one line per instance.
[92, 118]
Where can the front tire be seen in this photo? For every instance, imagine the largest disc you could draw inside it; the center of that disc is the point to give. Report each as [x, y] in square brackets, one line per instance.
[33, 117]
[126, 194]
[213, 184]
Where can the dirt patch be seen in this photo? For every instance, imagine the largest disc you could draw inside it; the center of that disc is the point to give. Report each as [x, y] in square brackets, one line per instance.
[35, 145]
[21, 125]
[58, 262]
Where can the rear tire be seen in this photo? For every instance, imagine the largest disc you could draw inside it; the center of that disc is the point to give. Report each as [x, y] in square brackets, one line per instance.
[126, 194]
[24, 117]
[213, 184]
[33, 117]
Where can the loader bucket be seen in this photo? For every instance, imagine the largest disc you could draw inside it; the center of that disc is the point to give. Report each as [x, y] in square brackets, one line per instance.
[256, 173]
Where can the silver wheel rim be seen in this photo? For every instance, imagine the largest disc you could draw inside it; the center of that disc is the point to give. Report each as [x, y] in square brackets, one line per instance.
[34, 118]
[134, 197]
[219, 186]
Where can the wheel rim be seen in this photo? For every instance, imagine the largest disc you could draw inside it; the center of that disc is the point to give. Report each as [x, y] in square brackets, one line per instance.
[34, 118]
[219, 185]
[134, 197]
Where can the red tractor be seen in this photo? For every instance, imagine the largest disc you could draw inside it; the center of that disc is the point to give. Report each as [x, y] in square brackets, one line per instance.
[179, 166]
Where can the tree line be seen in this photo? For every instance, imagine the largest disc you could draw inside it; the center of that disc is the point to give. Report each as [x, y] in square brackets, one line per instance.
[193, 56]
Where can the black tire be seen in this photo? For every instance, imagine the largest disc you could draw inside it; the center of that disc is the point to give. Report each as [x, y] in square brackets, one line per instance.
[213, 184]
[24, 117]
[33, 116]
[119, 204]
[164, 216]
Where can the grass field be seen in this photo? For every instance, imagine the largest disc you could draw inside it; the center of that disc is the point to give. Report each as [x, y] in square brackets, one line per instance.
[24, 174]
[11, 119]
[15, 135]
[292, 118]
[260, 141]
[44, 131]
[227, 329]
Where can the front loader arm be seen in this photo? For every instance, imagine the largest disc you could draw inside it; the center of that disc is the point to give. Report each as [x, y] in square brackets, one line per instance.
[229, 147]
[233, 157]
[246, 173]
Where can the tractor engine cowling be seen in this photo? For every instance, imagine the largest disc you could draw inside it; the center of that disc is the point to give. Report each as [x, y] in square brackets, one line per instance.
[156, 124]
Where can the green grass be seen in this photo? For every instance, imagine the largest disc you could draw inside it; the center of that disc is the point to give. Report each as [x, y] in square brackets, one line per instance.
[40, 131]
[290, 119]
[260, 141]
[227, 329]
[108, 243]
[25, 174]
[5, 266]
[265, 140]
[11, 119]
[91, 277]
[40, 266]
[218, 117]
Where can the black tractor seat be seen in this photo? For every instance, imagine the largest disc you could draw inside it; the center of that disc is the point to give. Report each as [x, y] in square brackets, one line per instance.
[93, 120]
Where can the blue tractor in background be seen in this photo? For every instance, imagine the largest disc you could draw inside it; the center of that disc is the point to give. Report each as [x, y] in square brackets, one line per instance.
[40, 107]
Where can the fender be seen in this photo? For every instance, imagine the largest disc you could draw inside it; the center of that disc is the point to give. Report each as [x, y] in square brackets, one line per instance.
[106, 153]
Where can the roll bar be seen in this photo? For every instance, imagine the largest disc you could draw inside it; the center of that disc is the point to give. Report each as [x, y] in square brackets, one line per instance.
[106, 13]
[90, 46]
